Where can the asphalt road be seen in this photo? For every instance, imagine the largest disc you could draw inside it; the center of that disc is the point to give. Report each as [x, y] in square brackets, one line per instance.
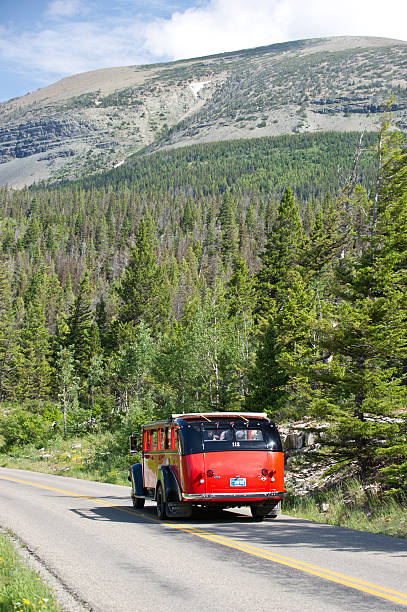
[117, 559]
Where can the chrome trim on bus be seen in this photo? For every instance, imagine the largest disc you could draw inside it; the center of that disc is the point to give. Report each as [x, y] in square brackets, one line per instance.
[226, 496]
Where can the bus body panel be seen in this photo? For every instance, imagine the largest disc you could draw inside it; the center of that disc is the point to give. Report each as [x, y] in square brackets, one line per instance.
[246, 467]
[192, 473]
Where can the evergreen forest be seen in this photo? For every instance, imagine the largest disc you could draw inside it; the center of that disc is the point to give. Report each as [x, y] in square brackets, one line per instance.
[262, 275]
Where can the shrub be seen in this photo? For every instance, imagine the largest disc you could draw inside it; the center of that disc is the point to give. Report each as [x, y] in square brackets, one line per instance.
[29, 423]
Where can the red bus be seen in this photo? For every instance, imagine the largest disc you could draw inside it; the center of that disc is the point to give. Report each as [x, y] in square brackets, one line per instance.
[218, 459]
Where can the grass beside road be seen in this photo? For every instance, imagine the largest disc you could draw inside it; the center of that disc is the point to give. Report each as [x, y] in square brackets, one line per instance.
[21, 590]
[94, 457]
[352, 505]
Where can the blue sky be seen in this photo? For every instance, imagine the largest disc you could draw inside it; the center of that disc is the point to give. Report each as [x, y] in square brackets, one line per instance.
[42, 41]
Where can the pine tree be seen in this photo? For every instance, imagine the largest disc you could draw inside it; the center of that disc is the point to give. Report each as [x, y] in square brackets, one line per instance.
[229, 229]
[7, 334]
[190, 216]
[79, 337]
[144, 289]
[279, 256]
[32, 375]
[268, 378]
[241, 299]
[279, 379]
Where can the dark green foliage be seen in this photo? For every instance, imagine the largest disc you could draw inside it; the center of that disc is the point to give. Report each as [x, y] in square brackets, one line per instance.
[29, 423]
[144, 289]
[79, 334]
[363, 384]
[307, 162]
[280, 255]
[228, 225]
[268, 378]
[7, 334]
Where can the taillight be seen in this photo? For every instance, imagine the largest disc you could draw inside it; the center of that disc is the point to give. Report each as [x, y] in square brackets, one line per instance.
[210, 473]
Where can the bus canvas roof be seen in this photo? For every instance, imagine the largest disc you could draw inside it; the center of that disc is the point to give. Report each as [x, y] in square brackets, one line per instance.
[208, 416]
[214, 415]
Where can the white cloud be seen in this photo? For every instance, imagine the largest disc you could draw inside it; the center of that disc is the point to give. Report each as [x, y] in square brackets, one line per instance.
[75, 37]
[73, 47]
[65, 8]
[225, 25]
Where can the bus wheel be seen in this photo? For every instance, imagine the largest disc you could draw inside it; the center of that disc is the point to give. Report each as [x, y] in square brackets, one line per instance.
[160, 504]
[138, 502]
[257, 513]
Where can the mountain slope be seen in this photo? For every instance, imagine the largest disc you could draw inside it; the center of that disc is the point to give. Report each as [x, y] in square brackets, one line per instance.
[94, 121]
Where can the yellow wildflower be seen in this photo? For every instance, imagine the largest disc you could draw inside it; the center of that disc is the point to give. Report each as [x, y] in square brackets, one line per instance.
[27, 603]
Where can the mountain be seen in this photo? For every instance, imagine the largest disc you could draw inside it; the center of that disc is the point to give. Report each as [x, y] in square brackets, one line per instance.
[95, 121]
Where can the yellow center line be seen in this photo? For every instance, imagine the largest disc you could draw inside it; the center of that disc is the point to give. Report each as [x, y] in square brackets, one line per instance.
[343, 579]
[70, 493]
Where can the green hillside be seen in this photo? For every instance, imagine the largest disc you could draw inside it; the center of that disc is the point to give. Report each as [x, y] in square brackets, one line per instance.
[312, 164]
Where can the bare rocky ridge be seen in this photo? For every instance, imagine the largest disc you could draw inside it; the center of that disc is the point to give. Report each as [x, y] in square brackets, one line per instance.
[94, 121]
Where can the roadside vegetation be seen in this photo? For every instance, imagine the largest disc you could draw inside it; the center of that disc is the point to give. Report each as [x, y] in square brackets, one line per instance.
[101, 457]
[21, 590]
[352, 505]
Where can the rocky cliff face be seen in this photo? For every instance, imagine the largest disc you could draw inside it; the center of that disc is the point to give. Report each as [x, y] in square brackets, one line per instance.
[28, 138]
[94, 121]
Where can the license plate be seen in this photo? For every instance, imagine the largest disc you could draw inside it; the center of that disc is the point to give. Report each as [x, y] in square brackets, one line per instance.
[238, 482]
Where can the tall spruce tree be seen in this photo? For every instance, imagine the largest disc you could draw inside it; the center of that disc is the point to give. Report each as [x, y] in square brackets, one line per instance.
[241, 299]
[79, 336]
[7, 334]
[279, 256]
[144, 288]
[268, 378]
[32, 375]
[229, 228]
[282, 314]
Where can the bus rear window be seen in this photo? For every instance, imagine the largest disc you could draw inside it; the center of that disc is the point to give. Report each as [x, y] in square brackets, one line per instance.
[245, 435]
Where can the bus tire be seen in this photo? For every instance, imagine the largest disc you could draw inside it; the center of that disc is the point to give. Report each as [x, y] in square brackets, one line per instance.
[161, 505]
[138, 502]
[257, 513]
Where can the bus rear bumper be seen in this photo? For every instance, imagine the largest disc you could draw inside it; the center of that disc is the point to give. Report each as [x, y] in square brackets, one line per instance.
[252, 496]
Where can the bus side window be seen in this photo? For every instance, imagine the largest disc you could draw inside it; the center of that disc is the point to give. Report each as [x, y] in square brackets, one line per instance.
[162, 439]
[172, 442]
[145, 440]
[154, 439]
[166, 432]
